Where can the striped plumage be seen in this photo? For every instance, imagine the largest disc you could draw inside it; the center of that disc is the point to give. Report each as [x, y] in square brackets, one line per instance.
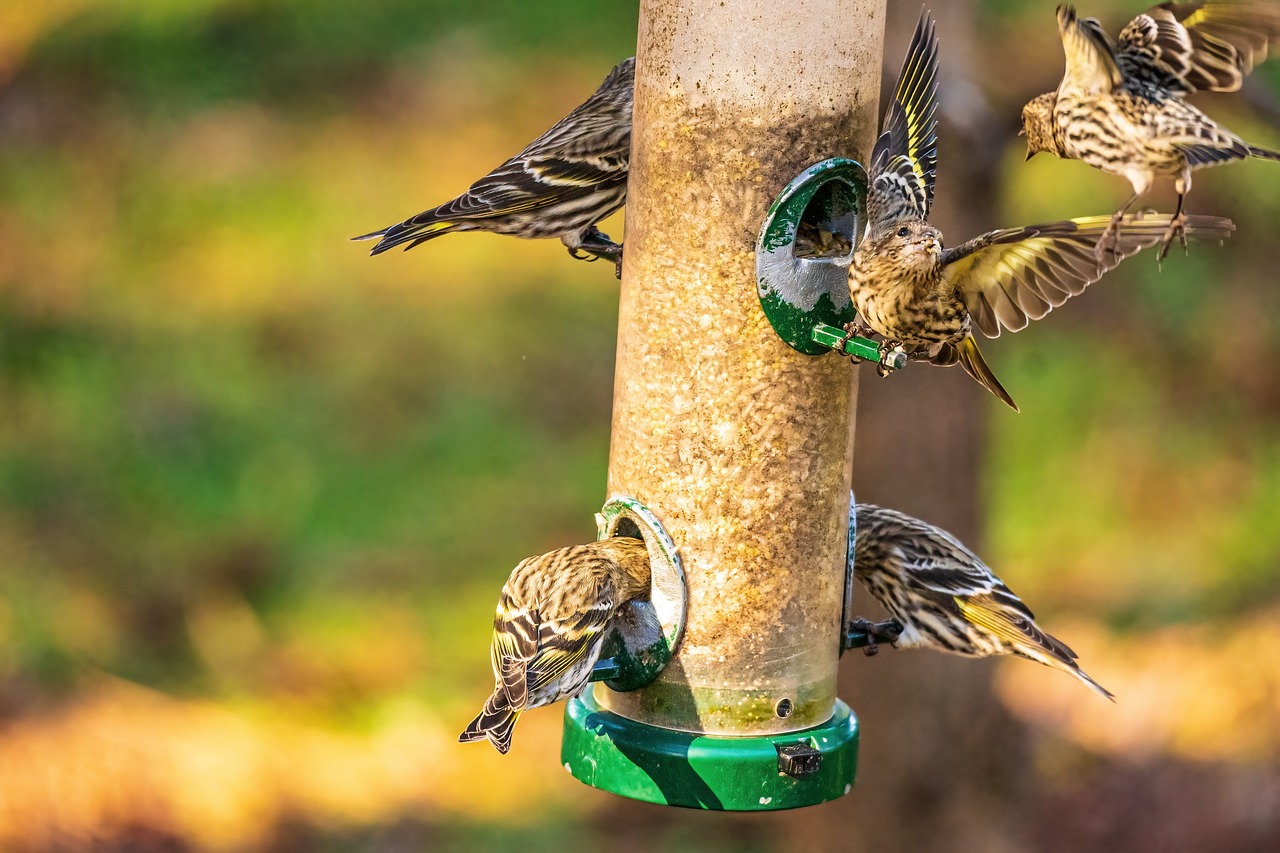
[560, 185]
[945, 598]
[1121, 105]
[926, 299]
[549, 625]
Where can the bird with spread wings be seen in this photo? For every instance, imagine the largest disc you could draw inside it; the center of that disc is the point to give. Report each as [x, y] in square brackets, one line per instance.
[1121, 107]
[925, 299]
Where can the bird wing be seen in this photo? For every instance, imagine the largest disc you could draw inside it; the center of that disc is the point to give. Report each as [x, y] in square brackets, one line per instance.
[937, 562]
[531, 183]
[563, 643]
[1091, 60]
[1009, 277]
[1185, 47]
[586, 151]
[1003, 614]
[904, 161]
[514, 647]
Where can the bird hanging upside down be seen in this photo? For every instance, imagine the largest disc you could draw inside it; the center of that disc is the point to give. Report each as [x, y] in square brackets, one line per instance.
[561, 185]
[549, 626]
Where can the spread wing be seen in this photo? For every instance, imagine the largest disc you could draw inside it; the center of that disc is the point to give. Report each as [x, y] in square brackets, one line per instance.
[1091, 60]
[1007, 278]
[904, 161]
[1185, 47]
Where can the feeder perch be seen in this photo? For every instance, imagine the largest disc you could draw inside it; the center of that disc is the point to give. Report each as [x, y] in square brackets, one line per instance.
[806, 298]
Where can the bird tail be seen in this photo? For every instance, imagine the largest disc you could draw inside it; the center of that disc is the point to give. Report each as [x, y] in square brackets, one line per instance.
[419, 229]
[1057, 655]
[496, 721]
[1264, 153]
[976, 366]
[1003, 616]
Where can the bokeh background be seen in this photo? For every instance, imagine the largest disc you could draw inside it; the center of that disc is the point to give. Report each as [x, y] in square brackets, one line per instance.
[258, 491]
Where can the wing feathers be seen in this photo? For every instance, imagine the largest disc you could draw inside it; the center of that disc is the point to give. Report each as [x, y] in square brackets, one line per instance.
[1010, 277]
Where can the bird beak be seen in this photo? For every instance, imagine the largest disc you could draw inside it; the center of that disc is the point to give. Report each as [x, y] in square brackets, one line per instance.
[1022, 131]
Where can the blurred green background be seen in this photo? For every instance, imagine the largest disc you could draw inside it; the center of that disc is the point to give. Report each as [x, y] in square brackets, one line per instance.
[258, 490]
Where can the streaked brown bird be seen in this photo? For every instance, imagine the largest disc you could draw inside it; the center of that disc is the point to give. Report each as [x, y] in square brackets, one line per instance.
[1121, 106]
[925, 299]
[560, 185]
[943, 597]
[549, 625]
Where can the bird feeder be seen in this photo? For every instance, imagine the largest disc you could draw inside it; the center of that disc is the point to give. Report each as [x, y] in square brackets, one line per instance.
[806, 297]
[736, 443]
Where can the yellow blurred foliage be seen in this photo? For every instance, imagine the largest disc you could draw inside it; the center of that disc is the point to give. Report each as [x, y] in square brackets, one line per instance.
[1206, 692]
[225, 777]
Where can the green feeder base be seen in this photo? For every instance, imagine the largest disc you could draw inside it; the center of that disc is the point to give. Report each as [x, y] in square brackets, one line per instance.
[658, 765]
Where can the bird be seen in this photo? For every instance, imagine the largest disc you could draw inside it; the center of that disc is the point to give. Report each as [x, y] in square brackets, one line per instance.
[925, 299]
[551, 620]
[1121, 106]
[560, 185]
[941, 596]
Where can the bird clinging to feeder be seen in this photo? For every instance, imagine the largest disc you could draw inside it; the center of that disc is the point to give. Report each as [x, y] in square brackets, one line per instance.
[550, 623]
[561, 185]
[943, 597]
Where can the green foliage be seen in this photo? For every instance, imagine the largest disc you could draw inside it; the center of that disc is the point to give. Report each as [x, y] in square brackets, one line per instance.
[178, 58]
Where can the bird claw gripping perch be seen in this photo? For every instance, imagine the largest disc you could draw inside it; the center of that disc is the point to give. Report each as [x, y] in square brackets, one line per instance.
[596, 245]
[887, 359]
[868, 635]
[805, 295]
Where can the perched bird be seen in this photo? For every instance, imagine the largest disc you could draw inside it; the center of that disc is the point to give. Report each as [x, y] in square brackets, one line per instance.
[550, 624]
[1121, 106]
[943, 597]
[561, 185]
[924, 299]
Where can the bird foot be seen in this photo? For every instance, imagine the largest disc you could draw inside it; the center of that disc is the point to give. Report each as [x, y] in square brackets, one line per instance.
[853, 329]
[596, 245]
[1177, 228]
[1109, 242]
[876, 633]
[891, 352]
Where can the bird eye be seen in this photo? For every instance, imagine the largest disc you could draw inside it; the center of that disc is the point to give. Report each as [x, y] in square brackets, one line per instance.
[902, 232]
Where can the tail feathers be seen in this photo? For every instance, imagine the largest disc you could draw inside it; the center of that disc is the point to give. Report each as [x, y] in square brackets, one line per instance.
[976, 366]
[419, 229]
[496, 722]
[1066, 663]
[1264, 153]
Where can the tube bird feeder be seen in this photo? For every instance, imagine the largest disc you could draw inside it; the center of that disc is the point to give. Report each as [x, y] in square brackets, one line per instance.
[736, 443]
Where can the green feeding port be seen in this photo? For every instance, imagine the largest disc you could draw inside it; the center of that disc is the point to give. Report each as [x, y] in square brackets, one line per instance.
[675, 768]
[802, 261]
[644, 634]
